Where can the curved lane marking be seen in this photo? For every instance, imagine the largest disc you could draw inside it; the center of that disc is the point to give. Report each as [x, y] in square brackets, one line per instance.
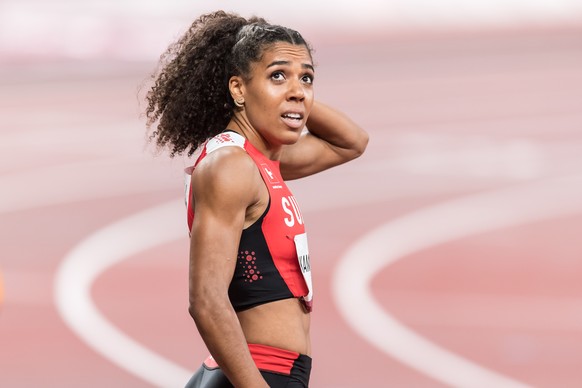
[421, 230]
[105, 248]
[93, 256]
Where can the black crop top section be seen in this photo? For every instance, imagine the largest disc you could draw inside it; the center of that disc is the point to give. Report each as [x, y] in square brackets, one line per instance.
[256, 280]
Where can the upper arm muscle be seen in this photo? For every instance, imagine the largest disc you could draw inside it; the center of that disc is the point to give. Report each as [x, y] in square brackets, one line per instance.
[311, 155]
[223, 187]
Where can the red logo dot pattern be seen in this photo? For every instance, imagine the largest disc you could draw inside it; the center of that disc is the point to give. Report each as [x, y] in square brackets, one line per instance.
[247, 261]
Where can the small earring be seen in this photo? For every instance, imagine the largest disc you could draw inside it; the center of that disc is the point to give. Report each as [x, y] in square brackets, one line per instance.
[239, 102]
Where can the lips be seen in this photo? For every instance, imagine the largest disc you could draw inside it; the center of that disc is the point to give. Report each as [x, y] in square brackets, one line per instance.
[293, 119]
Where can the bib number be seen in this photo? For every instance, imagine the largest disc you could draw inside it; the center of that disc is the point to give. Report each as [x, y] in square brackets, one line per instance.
[305, 265]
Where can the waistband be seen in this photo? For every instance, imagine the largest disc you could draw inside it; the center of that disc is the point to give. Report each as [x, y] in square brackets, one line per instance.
[272, 359]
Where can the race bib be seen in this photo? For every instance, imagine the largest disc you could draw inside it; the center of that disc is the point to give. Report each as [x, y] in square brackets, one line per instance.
[305, 265]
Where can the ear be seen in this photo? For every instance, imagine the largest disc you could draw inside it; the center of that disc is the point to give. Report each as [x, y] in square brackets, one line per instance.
[236, 87]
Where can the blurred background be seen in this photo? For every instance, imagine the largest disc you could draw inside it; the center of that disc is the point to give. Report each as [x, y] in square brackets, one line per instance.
[448, 255]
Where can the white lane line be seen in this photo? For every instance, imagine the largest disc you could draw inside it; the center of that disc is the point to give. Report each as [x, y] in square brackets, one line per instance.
[92, 257]
[426, 228]
[105, 248]
[85, 262]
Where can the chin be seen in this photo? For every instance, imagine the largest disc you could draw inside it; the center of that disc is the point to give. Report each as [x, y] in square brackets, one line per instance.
[293, 137]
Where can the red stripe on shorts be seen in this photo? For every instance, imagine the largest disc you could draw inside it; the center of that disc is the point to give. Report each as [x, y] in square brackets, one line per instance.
[273, 359]
[266, 358]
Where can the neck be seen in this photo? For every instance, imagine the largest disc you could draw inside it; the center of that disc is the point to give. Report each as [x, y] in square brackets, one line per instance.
[240, 124]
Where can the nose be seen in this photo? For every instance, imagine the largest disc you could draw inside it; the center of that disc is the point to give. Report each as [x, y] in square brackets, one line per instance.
[296, 91]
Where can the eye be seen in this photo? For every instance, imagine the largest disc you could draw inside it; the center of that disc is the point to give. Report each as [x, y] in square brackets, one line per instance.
[277, 76]
[307, 78]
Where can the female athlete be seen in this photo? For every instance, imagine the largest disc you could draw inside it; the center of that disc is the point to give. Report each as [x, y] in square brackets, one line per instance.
[241, 93]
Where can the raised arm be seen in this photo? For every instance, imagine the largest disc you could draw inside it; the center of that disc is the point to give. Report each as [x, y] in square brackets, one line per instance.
[332, 139]
[224, 186]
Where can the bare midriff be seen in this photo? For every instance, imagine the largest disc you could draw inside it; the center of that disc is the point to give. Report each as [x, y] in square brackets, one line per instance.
[282, 324]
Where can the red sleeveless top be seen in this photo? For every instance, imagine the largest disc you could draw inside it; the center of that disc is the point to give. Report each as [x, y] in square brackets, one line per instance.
[273, 257]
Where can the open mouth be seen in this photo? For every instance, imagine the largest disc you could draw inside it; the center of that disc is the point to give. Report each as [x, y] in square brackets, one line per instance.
[292, 116]
[293, 120]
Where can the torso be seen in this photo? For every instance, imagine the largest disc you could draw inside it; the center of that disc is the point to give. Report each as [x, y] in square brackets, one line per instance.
[283, 324]
[281, 319]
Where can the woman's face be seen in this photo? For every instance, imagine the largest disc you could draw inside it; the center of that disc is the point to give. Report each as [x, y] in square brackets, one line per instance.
[279, 93]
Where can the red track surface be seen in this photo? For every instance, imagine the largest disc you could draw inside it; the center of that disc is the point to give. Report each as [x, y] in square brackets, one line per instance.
[450, 116]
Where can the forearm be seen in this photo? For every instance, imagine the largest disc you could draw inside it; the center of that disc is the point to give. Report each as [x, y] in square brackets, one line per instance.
[332, 139]
[219, 327]
[337, 129]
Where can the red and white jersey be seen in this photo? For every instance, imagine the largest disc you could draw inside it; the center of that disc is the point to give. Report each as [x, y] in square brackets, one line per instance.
[273, 257]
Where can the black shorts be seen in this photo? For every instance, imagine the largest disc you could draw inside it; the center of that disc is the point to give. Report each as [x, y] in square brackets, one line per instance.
[280, 368]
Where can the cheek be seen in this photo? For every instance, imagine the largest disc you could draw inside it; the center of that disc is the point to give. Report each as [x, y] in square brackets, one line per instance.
[263, 96]
[261, 112]
[309, 99]
[264, 104]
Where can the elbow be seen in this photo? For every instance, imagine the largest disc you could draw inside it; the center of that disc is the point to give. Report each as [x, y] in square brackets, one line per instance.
[360, 144]
[365, 139]
[202, 316]
[198, 306]
[193, 310]
[196, 303]
[204, 304]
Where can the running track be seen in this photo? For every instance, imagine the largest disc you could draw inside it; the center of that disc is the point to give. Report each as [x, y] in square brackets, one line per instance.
[449, 255]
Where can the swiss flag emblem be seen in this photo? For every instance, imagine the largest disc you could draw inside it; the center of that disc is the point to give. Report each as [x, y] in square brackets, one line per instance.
[223, 138]
[269, 173]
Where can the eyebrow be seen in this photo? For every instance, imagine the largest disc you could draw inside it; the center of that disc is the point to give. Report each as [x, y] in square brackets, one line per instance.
[304, 65]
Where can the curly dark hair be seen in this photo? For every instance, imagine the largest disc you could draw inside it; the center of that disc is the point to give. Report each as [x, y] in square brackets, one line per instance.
[189, 100]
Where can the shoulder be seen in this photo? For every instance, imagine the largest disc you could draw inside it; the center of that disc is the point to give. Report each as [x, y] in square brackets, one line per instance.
[225, 172]
[225, 139]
